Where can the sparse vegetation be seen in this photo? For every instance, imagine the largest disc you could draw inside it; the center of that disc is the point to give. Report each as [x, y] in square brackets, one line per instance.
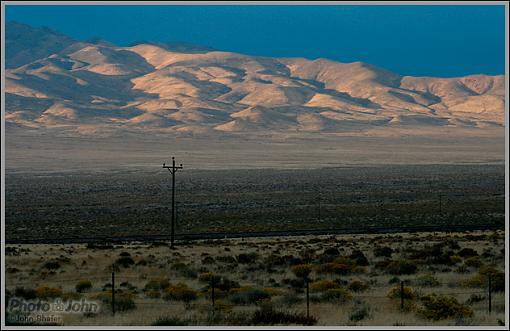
[437, 307]
[401, 267]
[427, 280]
[96, 206]
[358, 286]
[247, 295]
[336, 295]
[323, 285]
[125, 261]
[269, 316]
[46, 292]
[273, 293]
[157, 284]
[123, 301]
[396, 293]
[27, 294]
[170, 321]
[83, 285]
[180, 292]
[359, 312]
[52, 265]
[302, 270]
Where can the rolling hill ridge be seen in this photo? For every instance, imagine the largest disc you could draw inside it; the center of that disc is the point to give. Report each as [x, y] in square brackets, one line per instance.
[90, 87]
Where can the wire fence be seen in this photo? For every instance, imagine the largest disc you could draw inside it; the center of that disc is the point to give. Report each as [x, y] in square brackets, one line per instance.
[176, 291]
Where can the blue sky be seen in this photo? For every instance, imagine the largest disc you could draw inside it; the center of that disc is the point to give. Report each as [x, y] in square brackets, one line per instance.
[420, 40]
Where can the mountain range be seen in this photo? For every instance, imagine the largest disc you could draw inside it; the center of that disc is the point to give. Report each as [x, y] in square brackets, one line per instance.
[55, 82]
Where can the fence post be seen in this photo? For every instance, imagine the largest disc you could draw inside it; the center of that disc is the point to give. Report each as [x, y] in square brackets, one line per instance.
[490, 295]
[212, 293]
[401, 295]
[113, 292]
[307, 299]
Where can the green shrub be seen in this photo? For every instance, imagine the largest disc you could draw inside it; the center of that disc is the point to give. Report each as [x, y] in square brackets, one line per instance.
[206, 277]
[66, 296]
[383, 251]
[302, 270]
[184, 270]
[453, 244]
[52, 265]
[307, 255]
[83, 285]
[180, 292]
[226, 284]
[170, 321]
[474, 298]
[428, 251]
[153, 294]
[357, 286]
[45, 292]
[394, 280]
[157, 284]
[246, 258]
[208, 260]
[336, 295]
[474, 262]
[482, 279]
[331, 251]
[395, 293]
[427, 280]
[272, 261]
[223, 305]
[27, 294]
[322, 285]
[454, 259]
[247, 295]
[274, 291]
[467, 252]
[231, 318]
[288, 299]
[359, 258]
[218, 293]
[475, 281]
[437, 307]
[487, 270]
[123, 301]
[341, 269]
[125, 261]
[226, 259]
[269, 316]
[359, 312]
[498, 282]
[220, 283]
[297, 283]
[401, 267]
[446, 258]
[462, 269]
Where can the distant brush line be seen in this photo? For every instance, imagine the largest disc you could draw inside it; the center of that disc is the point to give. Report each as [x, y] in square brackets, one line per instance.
[230, 235]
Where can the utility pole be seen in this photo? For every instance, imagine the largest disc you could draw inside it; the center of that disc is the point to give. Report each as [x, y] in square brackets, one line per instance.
[319, 207]
[172, 169]
[490, 295]
[113, 292]
[319, 196]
